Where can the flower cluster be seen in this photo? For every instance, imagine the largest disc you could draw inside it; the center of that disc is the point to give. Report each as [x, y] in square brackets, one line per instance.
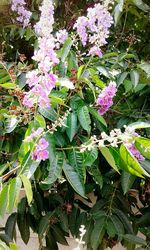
[40, 152]
[133, 150]
[115, 138]
[94, 28]
[34, 134]
[23, 14]
[42, 80]
[105, 99]
[80, 241]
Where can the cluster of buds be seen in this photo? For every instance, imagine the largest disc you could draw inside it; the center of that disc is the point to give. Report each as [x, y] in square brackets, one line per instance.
[60, 122]
[115, 138]
[80, 241]
[73, 76]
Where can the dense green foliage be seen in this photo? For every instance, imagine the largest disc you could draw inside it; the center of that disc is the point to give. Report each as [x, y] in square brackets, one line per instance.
[106, 188]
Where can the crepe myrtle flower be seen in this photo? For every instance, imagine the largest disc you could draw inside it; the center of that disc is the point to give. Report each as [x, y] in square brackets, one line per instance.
[135, 152]
[23, 15]
[105, 99]
[94, 28]
[40, 152]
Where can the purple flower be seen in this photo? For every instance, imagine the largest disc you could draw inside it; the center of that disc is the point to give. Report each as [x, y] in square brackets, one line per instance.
[40, 152]
[61, 36]
[105, 99]
[133, 150]
[94, 28]
[23, 14]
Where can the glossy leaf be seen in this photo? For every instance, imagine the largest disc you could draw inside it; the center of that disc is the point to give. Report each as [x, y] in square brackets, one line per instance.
[14, 190]
[84, 118]
[109, 157]
[74, 179]
[127, 181]
[71, 125]
[98, 233]
[66, 49]
[4, 199]
[27, 187]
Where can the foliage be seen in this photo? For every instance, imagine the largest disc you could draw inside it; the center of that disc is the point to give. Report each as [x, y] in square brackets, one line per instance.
[104, 188]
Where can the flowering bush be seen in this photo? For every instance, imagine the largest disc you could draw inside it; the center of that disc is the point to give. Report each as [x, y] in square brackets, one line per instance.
[75, 125]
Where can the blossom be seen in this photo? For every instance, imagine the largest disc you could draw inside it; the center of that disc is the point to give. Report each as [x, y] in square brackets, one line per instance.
[94, 28]
[133, 150]
[42, 80]
[61, 36]
[35, 133]
[105, 99]
[23, 14]
[40, 152]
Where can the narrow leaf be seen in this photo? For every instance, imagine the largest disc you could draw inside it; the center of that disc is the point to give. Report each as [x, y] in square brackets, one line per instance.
[27, 187]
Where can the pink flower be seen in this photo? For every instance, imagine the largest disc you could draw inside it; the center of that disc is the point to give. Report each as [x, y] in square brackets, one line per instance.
[133, 150]
[40, 152]
[105, 99]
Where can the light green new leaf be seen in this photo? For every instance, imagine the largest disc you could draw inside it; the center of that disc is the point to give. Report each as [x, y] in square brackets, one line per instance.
[143, 145]
[40, 119]
[3, 200]
[139, 125]
[14, 190]
[131, 161]
[28, 188]
[13, 246]
[84, 118]
[8, 85]
[74, 179]
[109, 157]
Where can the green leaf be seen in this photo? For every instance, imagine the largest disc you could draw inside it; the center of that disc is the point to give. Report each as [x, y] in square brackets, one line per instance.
[139, 125]
[28, 166]
[109, 157]
[90, 157]
[3, 200]
[23, 225]
[141, 5]
[14, 190]
[59, 235]
[11, 123]
[66, 49]
[10, 225]
[131, 161]
[74, 179]
[143, 145]
[98, 233]
[71, 125]
[124, 219]
[54, 172]
[117, 224]
[44, 224]
[103, 71]
[13, 246]
[76, 160]
[121, 78]
[57, 100]
[127, 181]
[39, 118]
[48, 113]
[118, 10]
[135, 77]
[80, 70]
[84, 118]
[145, 67]
[96, 115]
[8, 85]
[51, 147]
[28, 188]
[134, 239]
[111, 230]
[96, 174]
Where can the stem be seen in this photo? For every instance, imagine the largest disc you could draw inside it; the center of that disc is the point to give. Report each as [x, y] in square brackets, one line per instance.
[6, 176]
